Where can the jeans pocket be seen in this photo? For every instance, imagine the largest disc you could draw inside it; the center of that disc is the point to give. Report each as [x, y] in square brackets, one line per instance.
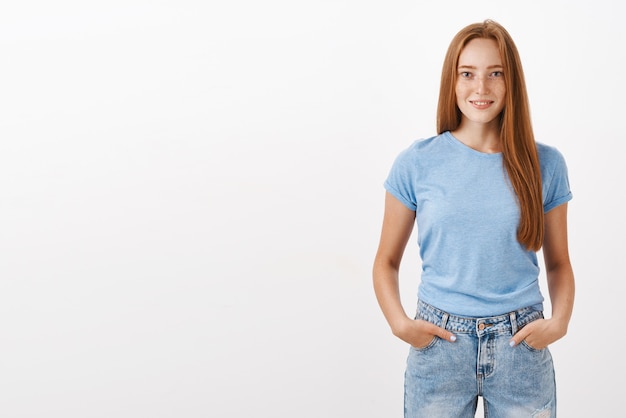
[532, 317]
[428, 346]
[531, 348]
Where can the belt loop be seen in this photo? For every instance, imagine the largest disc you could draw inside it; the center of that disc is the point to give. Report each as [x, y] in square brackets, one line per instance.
[513, 318]
[444, 320]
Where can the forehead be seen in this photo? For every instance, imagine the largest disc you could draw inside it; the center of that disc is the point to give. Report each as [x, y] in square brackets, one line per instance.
[480, 52]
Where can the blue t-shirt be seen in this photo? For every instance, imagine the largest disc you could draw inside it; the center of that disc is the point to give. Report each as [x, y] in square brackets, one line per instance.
[467, 218]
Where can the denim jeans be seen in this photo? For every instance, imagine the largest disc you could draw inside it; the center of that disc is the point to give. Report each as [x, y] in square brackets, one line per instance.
[445, 379]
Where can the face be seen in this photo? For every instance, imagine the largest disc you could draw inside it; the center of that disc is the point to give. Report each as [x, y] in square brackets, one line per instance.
[480, 88]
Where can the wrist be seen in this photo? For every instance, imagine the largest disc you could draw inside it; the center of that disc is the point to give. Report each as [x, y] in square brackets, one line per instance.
[400, 326]
[560, 324]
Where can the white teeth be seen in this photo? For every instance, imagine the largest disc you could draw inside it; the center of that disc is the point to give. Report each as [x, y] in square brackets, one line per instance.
[481, 103]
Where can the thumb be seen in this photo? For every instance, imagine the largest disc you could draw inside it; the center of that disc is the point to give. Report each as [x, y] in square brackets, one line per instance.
[519, 337]
[444, 334]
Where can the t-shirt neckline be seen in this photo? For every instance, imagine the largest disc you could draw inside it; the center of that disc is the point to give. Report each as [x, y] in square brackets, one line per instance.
[460, 145]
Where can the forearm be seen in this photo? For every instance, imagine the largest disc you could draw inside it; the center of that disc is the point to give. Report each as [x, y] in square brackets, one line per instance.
[386, 287]
[397, 226]
[562, 288]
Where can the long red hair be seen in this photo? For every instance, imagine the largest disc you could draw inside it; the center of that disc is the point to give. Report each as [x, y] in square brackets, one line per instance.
[519, 150]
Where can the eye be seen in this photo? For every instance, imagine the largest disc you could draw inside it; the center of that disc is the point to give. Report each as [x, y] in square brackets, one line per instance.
[497, 74]
[465, 74]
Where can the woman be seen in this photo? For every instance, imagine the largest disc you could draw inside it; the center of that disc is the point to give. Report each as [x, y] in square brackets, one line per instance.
[485, 197]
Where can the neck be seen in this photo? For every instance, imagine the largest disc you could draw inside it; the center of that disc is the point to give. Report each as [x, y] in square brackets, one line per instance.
[481, 137]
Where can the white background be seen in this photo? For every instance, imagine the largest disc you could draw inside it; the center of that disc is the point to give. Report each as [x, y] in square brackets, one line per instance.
[191, 198]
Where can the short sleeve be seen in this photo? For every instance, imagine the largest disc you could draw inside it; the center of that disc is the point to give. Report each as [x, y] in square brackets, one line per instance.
[401, 179]
[556, 187]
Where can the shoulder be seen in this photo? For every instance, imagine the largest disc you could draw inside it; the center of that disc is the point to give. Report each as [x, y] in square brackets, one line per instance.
[421, 147]
[550, 158]
[548, 153]
[556, 188]
[415, 159]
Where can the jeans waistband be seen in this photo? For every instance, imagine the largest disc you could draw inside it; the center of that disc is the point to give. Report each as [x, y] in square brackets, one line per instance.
[507, 323]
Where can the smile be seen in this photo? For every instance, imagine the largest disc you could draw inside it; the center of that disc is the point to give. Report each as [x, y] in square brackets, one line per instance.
[481, 104]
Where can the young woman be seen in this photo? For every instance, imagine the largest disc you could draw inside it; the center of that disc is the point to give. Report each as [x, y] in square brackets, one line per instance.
[485, 197]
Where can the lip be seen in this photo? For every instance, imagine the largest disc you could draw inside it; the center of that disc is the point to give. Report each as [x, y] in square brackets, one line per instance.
[481, 104]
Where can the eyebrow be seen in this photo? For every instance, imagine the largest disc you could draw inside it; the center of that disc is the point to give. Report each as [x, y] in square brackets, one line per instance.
[471, 67]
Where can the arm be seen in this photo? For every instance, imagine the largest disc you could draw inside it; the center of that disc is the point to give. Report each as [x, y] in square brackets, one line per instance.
[397, 227]
[560, 275]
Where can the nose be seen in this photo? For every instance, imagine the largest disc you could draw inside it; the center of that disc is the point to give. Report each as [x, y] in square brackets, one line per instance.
[482, 85]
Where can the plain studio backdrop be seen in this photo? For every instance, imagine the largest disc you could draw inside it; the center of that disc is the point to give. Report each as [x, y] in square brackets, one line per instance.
[191, 199]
